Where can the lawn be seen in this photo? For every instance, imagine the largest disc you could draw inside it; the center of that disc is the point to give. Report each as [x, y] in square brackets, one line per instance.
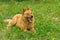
[47, 20]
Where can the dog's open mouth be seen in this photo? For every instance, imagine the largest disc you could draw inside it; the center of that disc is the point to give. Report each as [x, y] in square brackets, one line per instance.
[29, 20]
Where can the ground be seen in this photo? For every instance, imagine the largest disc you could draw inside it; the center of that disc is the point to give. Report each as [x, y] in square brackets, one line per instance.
[47, 20]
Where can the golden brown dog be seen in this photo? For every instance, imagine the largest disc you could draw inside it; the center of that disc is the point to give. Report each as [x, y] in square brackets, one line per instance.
[25, 21]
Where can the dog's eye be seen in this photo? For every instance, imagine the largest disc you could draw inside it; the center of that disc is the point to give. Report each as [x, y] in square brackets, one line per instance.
[31, 16]
[27, 17]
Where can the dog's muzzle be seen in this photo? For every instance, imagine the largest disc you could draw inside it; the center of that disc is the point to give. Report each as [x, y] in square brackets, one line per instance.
[29, 19]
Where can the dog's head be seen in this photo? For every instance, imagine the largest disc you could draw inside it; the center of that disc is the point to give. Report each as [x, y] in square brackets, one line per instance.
[28, 15]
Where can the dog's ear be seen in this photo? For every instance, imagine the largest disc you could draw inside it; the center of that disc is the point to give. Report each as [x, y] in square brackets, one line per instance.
[28, 7]
[24, 9]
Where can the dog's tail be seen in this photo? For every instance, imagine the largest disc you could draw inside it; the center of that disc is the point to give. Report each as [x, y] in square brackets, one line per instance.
[6, 20]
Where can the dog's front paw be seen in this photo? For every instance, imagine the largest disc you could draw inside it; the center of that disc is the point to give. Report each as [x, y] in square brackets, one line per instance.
[33, 30]
[25, 30]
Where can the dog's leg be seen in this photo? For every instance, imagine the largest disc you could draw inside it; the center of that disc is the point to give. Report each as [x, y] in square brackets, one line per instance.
[25, 30]
[11, 22]
[8, 25]
[33, 30]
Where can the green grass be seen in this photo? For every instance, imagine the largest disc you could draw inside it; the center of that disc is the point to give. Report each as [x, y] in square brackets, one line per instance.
[47, 20]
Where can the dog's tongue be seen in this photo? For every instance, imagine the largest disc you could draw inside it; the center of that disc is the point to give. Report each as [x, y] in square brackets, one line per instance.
[29, 20]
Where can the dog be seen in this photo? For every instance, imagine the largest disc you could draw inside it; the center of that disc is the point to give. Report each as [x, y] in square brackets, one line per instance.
[25, 21]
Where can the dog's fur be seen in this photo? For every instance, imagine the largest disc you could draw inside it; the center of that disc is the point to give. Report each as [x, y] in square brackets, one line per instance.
[25, 21]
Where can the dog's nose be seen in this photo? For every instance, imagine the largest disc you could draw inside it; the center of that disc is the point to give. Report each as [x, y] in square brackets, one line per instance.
[31, 16]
